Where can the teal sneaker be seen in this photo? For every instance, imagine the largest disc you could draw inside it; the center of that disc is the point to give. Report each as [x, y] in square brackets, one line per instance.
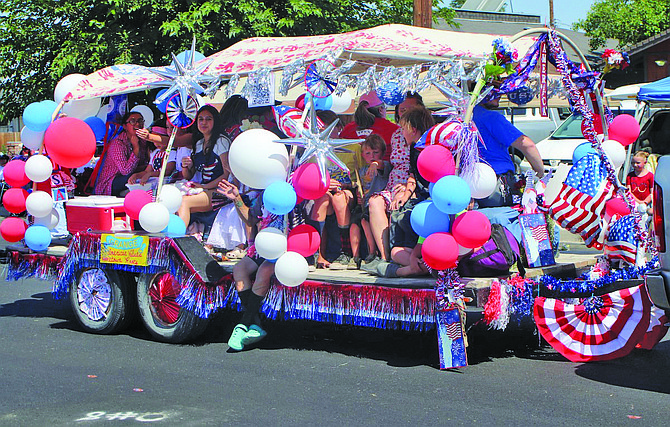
[253, 335]
[236, 341]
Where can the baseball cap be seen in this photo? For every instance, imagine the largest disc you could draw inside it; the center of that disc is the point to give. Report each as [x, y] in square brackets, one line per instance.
[372, 99]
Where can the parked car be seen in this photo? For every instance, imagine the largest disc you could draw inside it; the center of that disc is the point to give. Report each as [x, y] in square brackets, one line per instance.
[658, 281]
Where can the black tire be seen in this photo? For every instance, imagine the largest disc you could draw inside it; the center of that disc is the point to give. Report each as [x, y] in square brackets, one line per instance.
[163, 317]
[105, 306]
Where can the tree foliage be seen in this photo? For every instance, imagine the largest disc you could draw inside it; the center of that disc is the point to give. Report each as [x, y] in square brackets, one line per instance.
[628, 21]
[43, 40]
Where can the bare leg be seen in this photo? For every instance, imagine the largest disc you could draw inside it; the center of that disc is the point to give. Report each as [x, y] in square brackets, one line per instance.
[263, 275]
[200, 202]
[401, 255]
[341, 202]
[369, 238]
[242, 272]
[355, 238]
[379, 224]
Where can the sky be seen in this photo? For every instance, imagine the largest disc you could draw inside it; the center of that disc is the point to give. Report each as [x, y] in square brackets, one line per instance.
[566, 12]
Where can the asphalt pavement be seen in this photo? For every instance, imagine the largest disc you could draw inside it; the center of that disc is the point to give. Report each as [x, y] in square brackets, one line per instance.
[305, 373]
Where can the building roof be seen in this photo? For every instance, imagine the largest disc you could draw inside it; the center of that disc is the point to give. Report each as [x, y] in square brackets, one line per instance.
[647, 43]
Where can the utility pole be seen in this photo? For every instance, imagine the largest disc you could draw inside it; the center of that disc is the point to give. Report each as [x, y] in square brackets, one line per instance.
[552, 24]
[423, 13]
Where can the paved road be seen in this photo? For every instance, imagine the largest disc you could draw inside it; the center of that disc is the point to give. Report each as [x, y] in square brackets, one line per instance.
[54, 374]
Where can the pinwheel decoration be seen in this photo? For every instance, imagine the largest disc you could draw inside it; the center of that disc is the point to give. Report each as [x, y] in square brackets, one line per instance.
[318, 144]
[181, 114]
[318, 81]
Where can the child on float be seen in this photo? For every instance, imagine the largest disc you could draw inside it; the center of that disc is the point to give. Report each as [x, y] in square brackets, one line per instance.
[156, 156]
[640, 182]
[405, 252]
[373, 178]
[208, 166]
[398, 188]
[252, 274]
[339, 200]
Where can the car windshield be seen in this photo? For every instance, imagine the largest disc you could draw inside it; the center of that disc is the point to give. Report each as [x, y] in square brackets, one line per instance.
[571, 128]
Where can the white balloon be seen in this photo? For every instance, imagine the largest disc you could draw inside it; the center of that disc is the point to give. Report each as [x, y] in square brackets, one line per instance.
[270, 243]
[146, 112]
[462, 250]
[615, 152]
[256, 160]
[341, 103]
[483, 181]
[38, 168]
[154, 217]
[291, 269]
[82, 108]
[66, 85]
[50, 221]
[170, 197]
[39, 204]
[31, 139]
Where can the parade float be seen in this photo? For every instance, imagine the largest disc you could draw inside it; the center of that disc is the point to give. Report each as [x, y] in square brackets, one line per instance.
[176, 285]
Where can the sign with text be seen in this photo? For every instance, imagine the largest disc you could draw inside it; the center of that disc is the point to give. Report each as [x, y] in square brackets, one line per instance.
[124, 249]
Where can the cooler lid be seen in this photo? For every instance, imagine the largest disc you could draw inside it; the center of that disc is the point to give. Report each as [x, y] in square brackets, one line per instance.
[95, 201]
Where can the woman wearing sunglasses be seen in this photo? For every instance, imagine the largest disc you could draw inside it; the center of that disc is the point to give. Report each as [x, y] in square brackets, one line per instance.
[126, 153]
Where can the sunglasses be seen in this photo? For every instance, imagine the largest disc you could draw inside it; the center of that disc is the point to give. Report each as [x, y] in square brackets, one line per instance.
[136, 121]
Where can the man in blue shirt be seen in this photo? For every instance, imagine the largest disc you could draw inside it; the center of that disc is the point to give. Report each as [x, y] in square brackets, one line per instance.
[498, 135]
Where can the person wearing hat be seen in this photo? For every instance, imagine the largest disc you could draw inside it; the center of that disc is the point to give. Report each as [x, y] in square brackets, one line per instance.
[370, 117]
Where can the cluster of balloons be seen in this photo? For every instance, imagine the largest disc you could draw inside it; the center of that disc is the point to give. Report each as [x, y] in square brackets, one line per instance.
[288, 252]
[622, 132]
[158, 216]
[336, 103]
[258, 161]
[446, 237]
[39, 204]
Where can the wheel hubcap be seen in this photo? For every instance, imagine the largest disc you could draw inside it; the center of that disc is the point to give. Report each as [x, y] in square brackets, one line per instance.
[163, 293]
[94, 294]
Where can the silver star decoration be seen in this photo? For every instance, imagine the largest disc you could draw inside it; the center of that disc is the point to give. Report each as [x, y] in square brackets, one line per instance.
[185, 79]
[319, 144]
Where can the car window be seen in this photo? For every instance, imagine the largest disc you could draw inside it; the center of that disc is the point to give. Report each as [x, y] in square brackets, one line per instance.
[570, 128]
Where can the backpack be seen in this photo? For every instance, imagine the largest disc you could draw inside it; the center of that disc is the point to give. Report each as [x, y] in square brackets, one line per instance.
[495, 258]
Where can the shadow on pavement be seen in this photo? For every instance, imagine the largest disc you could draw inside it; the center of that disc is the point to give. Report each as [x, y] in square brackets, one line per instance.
[39, 305]
[642, 370]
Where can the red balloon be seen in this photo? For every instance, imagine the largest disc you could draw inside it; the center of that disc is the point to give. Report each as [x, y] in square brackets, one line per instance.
[435, 162]
[15, 173]
[307, 182]
[597, 125]
[134, 202]
[13, 229]
[616, 206]
[14, 200]
[440, 251]
[70, 142]
[471, 229]
[300, 102]
[625, 129]
[304, 239]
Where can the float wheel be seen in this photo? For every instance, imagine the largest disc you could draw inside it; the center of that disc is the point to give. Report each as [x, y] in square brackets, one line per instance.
[162, 315]
[101, 300]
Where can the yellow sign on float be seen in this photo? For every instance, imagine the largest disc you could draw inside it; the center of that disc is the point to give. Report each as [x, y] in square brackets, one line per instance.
[124, 249]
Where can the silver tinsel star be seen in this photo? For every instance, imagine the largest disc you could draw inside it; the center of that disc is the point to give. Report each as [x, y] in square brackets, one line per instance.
[319, 144]
[185, 79]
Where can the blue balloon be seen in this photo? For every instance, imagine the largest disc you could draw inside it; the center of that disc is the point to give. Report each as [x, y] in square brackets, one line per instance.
[582, 150]
[430, 188]
[37, 116]
[163, 105]
[320, 103]
[279, 197]
[98, 127]
[451, 194]
[175, 227]
[38, 237]
[391, 94]
[185, 57]
[427, 219]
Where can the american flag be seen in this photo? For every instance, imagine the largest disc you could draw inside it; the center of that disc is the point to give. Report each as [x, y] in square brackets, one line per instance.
[621, 242]
[539, 232]
[443, 133]
[579, 205]
[288, 118]
[454, 331]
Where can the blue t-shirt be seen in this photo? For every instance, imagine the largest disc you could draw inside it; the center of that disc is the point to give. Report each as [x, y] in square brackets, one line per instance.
[498, 134]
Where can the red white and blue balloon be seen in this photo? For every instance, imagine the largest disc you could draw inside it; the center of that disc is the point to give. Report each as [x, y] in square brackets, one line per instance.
[391, 93]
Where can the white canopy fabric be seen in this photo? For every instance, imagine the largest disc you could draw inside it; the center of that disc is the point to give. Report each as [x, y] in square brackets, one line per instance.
[387, 45]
